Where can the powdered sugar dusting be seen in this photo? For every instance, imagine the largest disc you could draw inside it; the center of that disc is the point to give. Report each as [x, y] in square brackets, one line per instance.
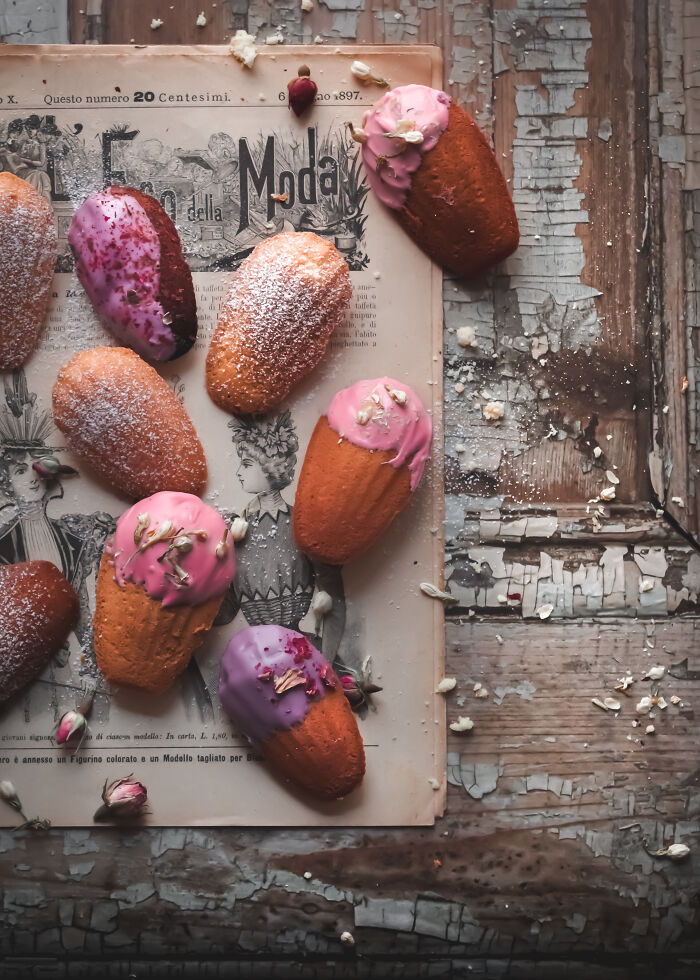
[27, 256]
[118, 412]
[284, 303]
[28, 636]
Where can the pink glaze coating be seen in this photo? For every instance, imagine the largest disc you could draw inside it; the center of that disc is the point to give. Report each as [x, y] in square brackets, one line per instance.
[427, 108]
[252, 661]
[207, 574]
[407, 427]
[117, 260]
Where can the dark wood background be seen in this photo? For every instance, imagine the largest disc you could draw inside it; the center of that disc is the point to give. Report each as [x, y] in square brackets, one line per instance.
[541, 867]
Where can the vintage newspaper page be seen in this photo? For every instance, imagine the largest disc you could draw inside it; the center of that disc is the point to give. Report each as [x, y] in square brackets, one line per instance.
[213, 142]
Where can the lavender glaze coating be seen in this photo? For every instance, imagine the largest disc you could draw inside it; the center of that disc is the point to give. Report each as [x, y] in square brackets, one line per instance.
[251, 666]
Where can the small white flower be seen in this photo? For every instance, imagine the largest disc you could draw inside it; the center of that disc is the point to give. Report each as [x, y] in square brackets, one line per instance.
[463, 724]
[364, 73]
[405, 130]
[644, 704]
[239, 528]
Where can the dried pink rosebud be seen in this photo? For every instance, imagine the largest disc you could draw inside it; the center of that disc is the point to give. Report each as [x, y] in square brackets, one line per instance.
[124, 797]
[347, 681]
[302, 91]
[48, 468]
[72, 723]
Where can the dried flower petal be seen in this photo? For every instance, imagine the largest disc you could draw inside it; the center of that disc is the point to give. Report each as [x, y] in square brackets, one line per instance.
[544, 611]
[654, 673]
[645, 704]
[396, 394]
[321, 604]
[292, 677]
[142, 524]
[183, 543]
[357, 134]
[432, 590]
[608, 493]
[8, 793]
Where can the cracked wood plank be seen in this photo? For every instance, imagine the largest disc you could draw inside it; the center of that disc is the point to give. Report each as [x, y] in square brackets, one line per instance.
[675, 131]
[540, 861]
[552, 814]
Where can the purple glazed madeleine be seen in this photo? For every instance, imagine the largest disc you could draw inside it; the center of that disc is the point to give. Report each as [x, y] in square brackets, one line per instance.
[284, 696]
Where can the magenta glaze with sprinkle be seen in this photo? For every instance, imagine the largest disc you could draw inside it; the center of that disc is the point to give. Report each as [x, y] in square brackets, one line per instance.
[208, 574]
[117, 260]
[251, 662]
[384, 414]
[428, 110]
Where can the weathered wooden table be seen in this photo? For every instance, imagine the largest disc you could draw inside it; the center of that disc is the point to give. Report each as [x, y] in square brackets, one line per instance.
[542, 866]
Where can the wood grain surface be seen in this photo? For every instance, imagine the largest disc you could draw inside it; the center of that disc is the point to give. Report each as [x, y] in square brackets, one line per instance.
[544, 863]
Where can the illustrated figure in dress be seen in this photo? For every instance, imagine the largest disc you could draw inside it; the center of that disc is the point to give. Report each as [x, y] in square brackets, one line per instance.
[274, 582]
[73, 542]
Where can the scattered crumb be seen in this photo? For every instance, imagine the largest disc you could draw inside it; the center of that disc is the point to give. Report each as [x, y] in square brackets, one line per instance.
[650, 730]
[597, 451]
[646, 585]
[446, 684]
[201, 20]
[242, 48]
[608, 493]
[307, 875]
[493, 411]
[274, 39]
[466, 337]
[318, 39]
[279, 197]
[307, 4]
[678, 501]
[347, 939]
[156, 23]
[675, 699]
[460, 448]
[624, 682]
[463, 724]
[434, 783]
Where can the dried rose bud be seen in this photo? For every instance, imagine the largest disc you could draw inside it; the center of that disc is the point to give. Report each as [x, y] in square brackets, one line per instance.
[239, 528]
[72, 723]
[48, 468]
[302, 91]
[124, 797]
[8, 793]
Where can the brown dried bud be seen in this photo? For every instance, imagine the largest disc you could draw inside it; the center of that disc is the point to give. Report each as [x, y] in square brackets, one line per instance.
[302, 91]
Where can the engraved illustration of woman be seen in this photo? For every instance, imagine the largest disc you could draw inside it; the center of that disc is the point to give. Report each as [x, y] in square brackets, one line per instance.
[72, 542]
[275, 582]
[33, 167]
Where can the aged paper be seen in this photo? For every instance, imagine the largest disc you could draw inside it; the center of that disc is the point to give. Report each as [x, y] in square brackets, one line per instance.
[213, 142]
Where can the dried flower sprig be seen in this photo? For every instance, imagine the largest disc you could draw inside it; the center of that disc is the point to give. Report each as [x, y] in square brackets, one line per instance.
[358, 686]
[48, 468]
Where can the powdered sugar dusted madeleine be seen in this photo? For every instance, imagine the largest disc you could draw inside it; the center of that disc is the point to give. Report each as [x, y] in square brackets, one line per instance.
[126, 421]
[161, 582]
[284, 697]
[38, 610]
[363, 461]
[284, 303]
[129, 260]
[27, 259]
[428, 161]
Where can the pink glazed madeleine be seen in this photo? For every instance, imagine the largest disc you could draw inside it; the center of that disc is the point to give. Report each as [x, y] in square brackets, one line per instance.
[364, 460]
[283, 695]
[129, 260]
